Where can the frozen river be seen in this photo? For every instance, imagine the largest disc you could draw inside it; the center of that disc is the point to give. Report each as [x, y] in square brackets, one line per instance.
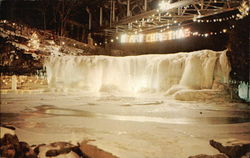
[160, 106]
[129, 127]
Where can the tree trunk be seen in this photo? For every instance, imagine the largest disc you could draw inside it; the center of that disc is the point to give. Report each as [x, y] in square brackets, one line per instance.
[44, 21]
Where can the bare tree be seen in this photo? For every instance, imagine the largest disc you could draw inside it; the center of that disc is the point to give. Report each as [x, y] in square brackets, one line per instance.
[65, 9]
[44, 8]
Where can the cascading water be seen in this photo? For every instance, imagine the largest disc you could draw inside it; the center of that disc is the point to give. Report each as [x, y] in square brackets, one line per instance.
[144, 73]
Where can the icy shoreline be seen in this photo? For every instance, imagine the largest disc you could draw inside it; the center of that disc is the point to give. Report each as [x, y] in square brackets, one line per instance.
[50, 117]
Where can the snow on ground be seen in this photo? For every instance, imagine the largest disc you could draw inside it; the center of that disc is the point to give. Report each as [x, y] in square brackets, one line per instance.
[127, 126]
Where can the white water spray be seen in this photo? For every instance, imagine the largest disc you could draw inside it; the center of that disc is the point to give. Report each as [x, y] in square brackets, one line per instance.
[144, 73]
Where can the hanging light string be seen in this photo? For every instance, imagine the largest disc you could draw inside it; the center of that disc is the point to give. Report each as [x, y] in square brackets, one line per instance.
[163, 35]
[170, 35]
[232, 17]
[243, 12]
[213, 33]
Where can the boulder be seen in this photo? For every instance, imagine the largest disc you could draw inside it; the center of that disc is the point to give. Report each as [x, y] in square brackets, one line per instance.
[26, 151]
[9, 143]
[232, 148]
[59, 149]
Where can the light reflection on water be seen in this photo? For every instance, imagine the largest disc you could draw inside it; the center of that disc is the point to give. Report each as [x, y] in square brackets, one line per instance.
[173, 120]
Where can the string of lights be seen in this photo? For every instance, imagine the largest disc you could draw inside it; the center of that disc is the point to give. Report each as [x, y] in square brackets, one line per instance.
[213, 33]
[243, 12]
[165, 34]
[183, 33]
[215, 19]
[169, 35]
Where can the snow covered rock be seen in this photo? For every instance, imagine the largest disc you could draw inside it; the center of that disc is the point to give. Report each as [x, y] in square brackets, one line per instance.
[232, 148]
[59, 150]
[34, 42]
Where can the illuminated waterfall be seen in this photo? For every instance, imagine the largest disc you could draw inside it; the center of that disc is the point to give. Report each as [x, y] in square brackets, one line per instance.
[144, 73]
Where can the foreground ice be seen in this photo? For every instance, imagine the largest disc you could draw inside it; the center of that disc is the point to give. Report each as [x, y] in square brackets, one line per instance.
[127, 126]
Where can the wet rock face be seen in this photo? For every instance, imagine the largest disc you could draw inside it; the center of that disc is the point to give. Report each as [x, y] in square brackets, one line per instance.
[234, 150]
[15, 61]
[10, 147]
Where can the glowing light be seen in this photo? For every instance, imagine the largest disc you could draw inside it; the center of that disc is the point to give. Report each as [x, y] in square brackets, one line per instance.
[95, 44]
[117, 37]
[195, 33]
[164, 5]
[112, 40]
[141, 37]
[154, 37]
[243, 9]
[63, 43]
[124, 38]
[224, 30]
[74, 44]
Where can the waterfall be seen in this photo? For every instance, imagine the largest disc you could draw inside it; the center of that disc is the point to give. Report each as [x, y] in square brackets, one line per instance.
[144, 73]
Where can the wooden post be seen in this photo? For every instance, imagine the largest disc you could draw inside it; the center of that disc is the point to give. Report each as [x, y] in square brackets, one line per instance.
[145, 5]
[14, 83]
[128, 7]
[248, 88]
[113, 11]
[100, 16]
[90, 19]
[110, 16]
